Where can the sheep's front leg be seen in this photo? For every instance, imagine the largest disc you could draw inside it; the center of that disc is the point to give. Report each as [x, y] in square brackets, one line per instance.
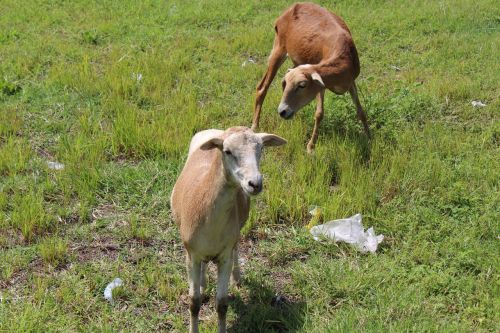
[193, 266]
[236, 274]
[204, 278]
[318, 116]
[276, 59]
[224, 265]
[361, 114]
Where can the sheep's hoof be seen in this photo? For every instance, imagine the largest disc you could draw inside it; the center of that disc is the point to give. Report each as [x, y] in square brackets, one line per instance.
[236, 282]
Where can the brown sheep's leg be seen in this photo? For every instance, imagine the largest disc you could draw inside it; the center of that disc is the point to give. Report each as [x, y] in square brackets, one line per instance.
[361, 114]
[318, 116]
[276, 59]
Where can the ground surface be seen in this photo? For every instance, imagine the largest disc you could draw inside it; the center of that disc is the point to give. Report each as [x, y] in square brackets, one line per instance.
[115, 89]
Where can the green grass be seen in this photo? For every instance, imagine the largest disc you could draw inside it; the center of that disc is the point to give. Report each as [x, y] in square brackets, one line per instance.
[428, 180]
[53, 251]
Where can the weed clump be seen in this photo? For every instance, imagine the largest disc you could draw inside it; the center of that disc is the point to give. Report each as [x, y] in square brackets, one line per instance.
[90, 37]
[9, 88]
[53, 251]
[138, 231]
[29, 215]
[14, 156]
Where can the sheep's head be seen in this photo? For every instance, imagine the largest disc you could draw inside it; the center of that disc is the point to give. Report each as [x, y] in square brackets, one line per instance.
[241, 152]
[300, 86]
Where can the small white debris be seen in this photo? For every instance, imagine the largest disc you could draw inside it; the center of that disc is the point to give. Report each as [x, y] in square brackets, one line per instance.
[478, 104]
[279, 301]
[55, 165]
[242, 261]
[396, 68]
[137, 77]
[108, 291]
[349, 230]
[250, 60]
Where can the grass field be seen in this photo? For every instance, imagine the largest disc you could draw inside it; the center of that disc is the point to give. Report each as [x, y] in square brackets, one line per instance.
[114, 90]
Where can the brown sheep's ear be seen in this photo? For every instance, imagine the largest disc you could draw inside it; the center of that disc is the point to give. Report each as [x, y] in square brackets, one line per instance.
[212, 143]
[317, 79]
[271, 140]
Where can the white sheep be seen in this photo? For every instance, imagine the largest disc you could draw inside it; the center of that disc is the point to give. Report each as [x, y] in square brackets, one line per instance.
[210, 203]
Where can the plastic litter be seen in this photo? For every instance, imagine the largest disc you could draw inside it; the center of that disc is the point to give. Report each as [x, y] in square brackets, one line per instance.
[55, 165]
[349, 230]
[279, 301]
[317, 213]
[137, 77]
[250, 60]
[478, 104]
[108, 291]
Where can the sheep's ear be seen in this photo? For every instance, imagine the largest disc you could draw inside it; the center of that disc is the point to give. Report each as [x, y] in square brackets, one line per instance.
[212, 143]
[270, 140]
[317, 79]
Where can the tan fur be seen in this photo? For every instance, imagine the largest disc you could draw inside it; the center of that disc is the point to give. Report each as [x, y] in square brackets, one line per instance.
[198, 188]
[210, 203]
[321, 42]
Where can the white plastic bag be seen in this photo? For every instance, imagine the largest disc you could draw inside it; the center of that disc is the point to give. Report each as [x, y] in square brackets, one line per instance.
[349, 230]
[55, 165]
[478, 104]
[108, 292]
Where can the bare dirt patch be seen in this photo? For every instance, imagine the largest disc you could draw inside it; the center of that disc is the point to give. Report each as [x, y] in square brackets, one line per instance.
[100, 248]
[20, 276]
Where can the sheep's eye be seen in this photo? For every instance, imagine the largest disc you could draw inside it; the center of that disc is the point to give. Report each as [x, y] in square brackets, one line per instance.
[227, 152]
[302, 84]
[283, 84]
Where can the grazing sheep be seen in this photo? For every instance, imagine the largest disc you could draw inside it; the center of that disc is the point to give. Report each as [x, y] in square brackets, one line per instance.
[324, 55]
[210, 203]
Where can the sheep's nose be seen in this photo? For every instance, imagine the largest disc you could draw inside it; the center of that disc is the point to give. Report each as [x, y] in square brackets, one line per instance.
[284, 111]
[253, 185]
[256, 184]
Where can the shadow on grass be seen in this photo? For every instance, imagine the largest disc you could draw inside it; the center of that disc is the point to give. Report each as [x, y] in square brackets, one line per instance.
[344, 127]
[352, 136]
[265, 312]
